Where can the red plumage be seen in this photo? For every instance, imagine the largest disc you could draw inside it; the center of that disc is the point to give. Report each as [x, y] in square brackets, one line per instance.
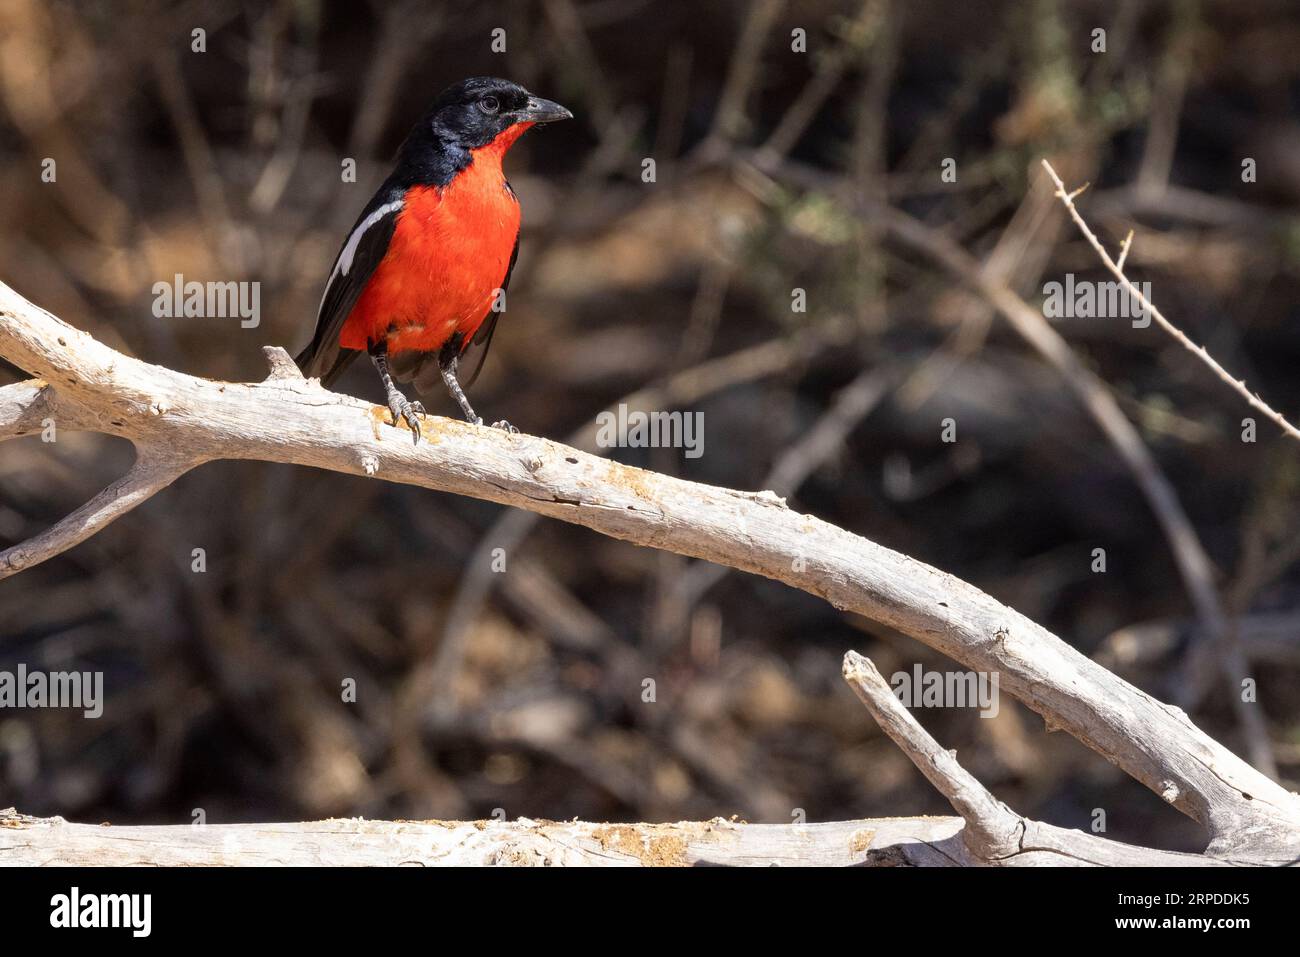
[449, 255]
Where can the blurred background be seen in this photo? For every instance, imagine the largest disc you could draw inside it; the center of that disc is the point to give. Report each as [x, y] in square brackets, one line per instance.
[776, 168]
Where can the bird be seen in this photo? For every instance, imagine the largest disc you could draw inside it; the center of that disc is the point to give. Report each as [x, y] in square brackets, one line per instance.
[420, 280]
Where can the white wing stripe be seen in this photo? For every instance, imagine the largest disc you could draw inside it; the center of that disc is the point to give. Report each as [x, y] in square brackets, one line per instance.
[350, 250]
[344, 263]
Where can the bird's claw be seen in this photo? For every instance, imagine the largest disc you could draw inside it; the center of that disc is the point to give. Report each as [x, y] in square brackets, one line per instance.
[411, 412]
[503, 425]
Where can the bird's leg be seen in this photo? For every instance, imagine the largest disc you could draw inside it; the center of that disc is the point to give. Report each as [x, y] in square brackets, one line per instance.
[448, 370]
[398, 404]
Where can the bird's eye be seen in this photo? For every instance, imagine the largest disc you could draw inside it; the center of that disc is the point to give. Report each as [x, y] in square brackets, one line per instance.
[489, 104]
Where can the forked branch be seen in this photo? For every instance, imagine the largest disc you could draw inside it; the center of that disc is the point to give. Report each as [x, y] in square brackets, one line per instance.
[177, 421]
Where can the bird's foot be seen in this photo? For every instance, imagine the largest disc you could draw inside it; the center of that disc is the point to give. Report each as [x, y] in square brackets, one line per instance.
[402, 407]
[503, 425]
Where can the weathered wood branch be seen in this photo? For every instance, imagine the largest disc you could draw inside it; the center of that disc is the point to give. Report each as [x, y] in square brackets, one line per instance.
[993, 834]
[177, 422]
[988, 833]
[883, 842]
[992, 830]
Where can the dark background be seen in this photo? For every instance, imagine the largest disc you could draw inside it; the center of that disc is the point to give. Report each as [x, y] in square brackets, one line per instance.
[522, 690]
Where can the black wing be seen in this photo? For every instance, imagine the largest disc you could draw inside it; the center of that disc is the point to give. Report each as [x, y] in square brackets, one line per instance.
[353, 266]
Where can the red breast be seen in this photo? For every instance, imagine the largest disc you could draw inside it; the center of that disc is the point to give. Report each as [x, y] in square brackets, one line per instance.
[449, 254]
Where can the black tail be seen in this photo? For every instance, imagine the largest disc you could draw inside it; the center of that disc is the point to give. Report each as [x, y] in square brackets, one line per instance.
[326, 364]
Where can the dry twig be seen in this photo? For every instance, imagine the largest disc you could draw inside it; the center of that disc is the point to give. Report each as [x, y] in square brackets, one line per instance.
[1117, 269]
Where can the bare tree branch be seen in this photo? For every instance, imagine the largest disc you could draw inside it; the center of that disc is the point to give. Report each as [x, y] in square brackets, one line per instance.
[992, 829]
[884, 842]
[187, 421]
[150, 474]
[993, 833]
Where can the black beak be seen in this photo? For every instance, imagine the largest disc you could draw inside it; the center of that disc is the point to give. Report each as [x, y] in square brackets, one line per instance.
[543, 111]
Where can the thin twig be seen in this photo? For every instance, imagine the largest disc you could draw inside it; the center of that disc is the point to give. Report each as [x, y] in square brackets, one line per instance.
[1116, 268]
[742, 76]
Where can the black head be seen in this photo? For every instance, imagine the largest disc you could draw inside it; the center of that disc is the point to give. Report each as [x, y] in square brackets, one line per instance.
[474, 112]
[467, 116]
